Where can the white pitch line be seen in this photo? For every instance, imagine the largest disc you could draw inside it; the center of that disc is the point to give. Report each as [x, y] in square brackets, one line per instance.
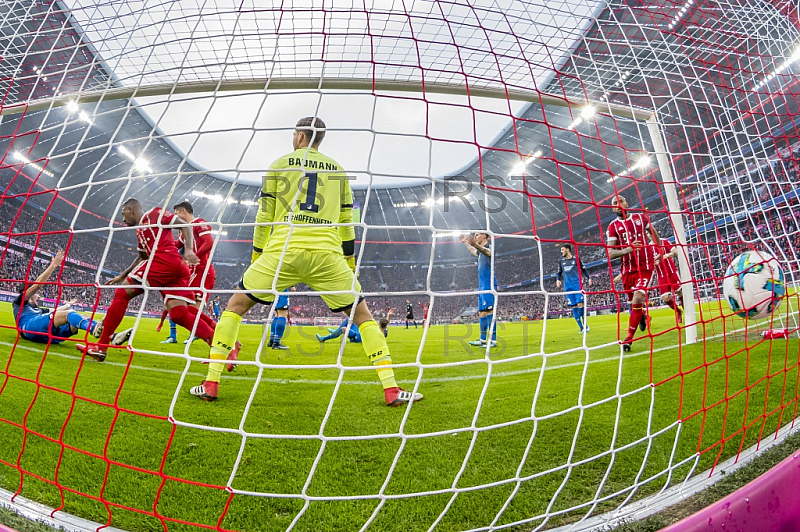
[362, 383]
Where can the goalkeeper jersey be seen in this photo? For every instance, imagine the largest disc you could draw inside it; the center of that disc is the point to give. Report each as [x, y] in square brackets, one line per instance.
[305, 192]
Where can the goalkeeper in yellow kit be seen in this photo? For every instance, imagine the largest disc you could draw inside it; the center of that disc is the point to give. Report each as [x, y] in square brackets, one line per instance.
[304, 193]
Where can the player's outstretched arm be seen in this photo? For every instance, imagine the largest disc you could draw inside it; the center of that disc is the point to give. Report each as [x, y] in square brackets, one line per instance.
[45, 275]
[66, 305]
[141, 257]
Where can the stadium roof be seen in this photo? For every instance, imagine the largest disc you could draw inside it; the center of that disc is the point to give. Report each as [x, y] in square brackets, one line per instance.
[100, 153]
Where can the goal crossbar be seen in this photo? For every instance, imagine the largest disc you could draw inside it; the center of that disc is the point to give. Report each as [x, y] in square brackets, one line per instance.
[286, 84]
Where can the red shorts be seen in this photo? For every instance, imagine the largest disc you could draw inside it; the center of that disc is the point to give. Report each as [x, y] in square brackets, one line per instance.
[665, 286]
[166, 270]
[636, 282]
[196, 278]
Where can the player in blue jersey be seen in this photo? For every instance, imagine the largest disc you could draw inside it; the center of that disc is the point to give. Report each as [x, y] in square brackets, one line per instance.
[385, 322]
[353, 333]
[478, 245]
[215, 308]
[37, 324]
[570, 270]
[278, 325]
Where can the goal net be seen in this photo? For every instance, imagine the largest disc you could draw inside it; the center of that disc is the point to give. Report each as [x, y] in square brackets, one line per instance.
[516, 120]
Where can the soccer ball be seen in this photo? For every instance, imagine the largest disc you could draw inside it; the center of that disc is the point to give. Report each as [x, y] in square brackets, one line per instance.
[754, 284]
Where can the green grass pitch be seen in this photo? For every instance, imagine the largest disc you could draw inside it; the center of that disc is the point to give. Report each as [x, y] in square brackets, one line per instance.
[497, 439]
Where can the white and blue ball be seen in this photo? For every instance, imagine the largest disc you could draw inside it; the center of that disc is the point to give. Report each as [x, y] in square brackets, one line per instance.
[754, 284]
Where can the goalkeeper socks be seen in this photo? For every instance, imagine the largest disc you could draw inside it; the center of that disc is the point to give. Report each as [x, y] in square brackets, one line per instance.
[277, 328]
[483, 325]
[378, 352]
[633, 322]
[76, 320]
[114, 315]
[577, 313]
[225, 335]
[186, 316]
[173, 329]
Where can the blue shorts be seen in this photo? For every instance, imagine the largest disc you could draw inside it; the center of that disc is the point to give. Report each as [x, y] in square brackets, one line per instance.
[485, 302]
[42, 324]
[574, 299]
[282, 303]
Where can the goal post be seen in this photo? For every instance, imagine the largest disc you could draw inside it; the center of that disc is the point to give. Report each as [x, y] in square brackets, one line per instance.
[675, 214]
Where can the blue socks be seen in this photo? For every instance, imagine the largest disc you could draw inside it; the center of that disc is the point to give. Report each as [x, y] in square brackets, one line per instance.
[79, 322]
[577, 312]
[173, 330]
[354, 335]
[485, 321]
[277, 328]
[336, 333]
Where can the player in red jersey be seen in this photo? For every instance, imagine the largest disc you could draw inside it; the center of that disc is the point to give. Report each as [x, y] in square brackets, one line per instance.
[198, 277]
[669, 281]
[628, 239]
[158, 264]
[424, 313]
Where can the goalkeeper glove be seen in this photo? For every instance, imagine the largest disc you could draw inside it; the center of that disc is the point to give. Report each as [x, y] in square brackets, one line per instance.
[254, 256]
[351, 262]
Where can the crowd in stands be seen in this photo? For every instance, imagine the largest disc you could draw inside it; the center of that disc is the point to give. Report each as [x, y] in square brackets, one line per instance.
[758, 208]
[718, 230]
[448, 279]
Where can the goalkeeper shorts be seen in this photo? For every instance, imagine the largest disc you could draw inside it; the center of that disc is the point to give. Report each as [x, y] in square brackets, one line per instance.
[323, 271]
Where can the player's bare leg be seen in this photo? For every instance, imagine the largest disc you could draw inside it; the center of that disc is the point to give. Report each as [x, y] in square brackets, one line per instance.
[378, 353]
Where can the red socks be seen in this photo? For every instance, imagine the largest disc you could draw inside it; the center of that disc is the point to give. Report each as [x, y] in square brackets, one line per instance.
[163, 317]
[671, 304]
[114, 315]
[633, 323]
[185, 316]
[205, 318]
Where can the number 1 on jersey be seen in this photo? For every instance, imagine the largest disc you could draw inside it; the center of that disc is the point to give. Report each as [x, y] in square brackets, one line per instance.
[309, 204]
